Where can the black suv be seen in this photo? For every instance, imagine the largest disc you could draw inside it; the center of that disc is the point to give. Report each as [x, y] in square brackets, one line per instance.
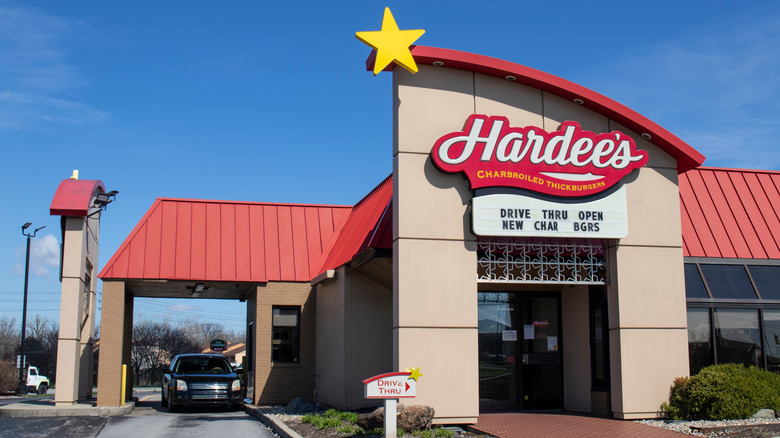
[201, 379]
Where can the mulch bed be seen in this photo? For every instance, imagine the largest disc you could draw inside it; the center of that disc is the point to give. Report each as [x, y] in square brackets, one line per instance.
[307, 430]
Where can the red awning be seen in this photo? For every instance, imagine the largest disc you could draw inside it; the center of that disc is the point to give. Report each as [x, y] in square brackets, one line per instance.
[73, 197]
[186, 239]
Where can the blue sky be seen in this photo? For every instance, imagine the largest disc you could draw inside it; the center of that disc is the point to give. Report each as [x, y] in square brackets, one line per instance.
[270, 101]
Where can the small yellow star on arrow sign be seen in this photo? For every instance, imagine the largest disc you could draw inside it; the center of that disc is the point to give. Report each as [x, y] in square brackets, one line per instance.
[415, 373]
[391, 44]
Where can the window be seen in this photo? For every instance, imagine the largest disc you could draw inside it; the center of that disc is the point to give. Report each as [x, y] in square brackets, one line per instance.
[700, 352]
[694, 286]
[733, 314]
[285, 337]
[772, 338]
[728, 281]
[767, 280]
[738, 336]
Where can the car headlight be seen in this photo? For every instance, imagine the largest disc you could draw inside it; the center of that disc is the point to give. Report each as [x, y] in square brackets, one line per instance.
[181, 385]
[236, 386]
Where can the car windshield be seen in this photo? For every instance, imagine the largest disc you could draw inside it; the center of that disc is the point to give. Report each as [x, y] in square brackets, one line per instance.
[202, 365]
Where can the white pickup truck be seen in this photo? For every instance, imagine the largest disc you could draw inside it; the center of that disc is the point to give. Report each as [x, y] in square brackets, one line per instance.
[36, 382]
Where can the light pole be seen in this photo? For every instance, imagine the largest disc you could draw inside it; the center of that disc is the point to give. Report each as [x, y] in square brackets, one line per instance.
[22, 388]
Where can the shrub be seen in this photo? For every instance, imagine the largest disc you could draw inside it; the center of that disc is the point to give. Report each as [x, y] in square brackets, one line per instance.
[723, 392]
[9, 377]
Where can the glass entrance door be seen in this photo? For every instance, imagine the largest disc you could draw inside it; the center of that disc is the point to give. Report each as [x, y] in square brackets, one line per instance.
[519, 351]
[540, 362]
[498, 372]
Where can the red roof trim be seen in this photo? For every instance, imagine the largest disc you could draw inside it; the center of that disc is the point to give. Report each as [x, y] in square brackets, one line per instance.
[687, 157]
[743, 171]
[73, 197]
[275, 204]
[359, 229]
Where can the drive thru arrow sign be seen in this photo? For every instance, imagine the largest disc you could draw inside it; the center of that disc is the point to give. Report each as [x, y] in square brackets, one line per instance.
[390, 385]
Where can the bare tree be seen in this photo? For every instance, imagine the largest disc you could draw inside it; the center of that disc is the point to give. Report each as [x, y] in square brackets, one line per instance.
[154, 345]
[39, 326]
[9, 339]
[40, 345]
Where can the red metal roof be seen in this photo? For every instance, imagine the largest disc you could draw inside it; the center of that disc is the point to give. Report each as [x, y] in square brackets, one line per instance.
[73, 197]
[687, 157]
[366, 227]
[730, 213]
[227, 241]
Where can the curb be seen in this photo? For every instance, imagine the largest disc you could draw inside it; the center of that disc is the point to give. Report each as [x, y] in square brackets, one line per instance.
[68, 411]
[770, 427]
[273, 422]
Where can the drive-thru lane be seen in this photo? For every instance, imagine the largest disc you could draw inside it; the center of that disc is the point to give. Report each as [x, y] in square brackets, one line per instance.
[148, 420]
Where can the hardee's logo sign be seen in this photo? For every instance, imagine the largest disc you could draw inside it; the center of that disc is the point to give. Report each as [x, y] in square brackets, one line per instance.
[567, 162]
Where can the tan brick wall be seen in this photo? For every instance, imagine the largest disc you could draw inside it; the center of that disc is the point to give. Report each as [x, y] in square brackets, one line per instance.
[330, 363]
[279, 383]
[112, 333]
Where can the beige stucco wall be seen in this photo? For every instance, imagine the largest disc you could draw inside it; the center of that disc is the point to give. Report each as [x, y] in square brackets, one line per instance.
[77, 309]
[370, 336]
[434, 295]
[576, 349]
[434, 263]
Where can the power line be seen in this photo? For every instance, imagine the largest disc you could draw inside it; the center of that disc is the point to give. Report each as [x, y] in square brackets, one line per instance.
[11, 291]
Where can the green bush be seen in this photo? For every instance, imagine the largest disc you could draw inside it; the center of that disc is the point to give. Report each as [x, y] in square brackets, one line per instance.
[723, 392]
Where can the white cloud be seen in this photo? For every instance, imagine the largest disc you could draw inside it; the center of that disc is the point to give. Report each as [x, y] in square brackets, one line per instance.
[717, 88]
[181, 307]
[44, 254]
[38, 82]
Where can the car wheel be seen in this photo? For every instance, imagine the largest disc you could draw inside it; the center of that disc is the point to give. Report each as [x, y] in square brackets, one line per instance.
[163, 400]
[169, 404]
[42, 389]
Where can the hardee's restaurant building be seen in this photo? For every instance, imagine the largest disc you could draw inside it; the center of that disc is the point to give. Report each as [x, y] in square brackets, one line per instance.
[538, 246]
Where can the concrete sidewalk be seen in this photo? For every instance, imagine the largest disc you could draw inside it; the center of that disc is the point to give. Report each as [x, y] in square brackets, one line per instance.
[44, 407]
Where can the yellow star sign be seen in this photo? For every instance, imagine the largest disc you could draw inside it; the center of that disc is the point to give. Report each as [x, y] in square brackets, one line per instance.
[391, 44]
[415, 373]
